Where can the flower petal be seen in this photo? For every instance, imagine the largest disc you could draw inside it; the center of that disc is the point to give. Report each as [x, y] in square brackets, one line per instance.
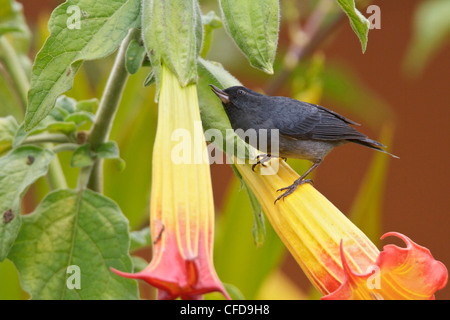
[399, 273]
[176, 276]
[412, 268]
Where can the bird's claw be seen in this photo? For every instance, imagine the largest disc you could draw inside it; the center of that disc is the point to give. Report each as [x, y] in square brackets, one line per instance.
[265, 158]
[290, 189]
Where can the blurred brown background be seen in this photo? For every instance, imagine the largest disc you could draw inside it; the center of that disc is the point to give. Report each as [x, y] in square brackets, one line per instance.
[416, 200]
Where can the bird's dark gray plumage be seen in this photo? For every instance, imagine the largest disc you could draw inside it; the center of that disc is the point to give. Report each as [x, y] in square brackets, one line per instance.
[306, 131]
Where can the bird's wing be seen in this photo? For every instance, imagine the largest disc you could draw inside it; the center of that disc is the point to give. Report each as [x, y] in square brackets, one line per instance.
[337, 115]
[307, 121]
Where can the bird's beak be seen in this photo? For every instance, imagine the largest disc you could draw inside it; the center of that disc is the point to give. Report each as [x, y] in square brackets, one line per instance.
[225, 97]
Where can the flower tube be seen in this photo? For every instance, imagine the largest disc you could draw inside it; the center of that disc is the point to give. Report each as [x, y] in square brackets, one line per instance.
[182, 208]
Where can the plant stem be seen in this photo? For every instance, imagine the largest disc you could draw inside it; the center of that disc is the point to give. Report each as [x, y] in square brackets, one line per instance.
[12, 64]
[107, 109]
[83, 177]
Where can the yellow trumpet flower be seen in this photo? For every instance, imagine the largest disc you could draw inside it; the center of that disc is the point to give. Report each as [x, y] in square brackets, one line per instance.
[182, 208]
[337, 257]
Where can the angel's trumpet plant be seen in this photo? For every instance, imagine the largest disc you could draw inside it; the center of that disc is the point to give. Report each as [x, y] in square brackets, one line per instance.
[182, 208]
[337, 257]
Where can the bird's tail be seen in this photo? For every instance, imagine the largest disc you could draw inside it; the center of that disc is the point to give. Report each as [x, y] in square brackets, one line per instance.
[373, 145]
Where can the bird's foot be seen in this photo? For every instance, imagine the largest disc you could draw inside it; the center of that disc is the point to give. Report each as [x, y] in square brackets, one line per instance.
[289, 190]
[261, 159]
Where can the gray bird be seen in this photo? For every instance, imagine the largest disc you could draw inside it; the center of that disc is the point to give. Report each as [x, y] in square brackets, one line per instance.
[306, 131]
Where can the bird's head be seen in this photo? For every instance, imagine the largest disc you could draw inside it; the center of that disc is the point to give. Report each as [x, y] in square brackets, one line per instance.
[238, 96]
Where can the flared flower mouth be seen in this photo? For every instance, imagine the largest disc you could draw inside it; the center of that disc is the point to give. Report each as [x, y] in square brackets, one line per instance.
[337, 257]
[398, 273]
[182, 208]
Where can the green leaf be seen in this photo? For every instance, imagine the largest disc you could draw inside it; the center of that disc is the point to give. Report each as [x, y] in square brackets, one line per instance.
[141, 239]
[211, 110]
[67, 128]
[18, 170]
[82, 157]
[431, 31]
[80, 117]
[103, 26]
[74, 228]
[66, 117]
[8, 129]
[254, 25]
[64, 105]
[135, 56]
[87, 105]
[171, 36]
[108, 150]
[358, 22]
[120, 164]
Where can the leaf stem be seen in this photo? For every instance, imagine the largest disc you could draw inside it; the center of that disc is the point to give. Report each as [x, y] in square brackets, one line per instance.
[107, 109]
[65, 147]
[46, 137]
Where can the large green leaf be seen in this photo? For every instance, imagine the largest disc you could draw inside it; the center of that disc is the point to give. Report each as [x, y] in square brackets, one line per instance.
[211, 110]
[253, 25]
[358, 22]
[172, 33]
[74, 228]
[103, 26]
[18, 170]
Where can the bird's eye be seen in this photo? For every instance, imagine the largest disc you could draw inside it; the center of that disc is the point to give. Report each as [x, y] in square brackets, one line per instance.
[241, 92]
